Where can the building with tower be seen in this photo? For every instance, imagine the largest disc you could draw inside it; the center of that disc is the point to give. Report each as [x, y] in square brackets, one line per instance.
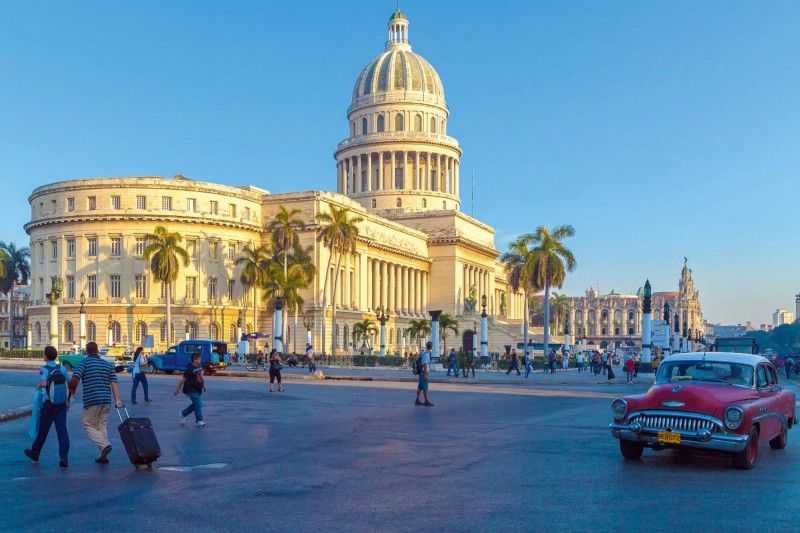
[397, 169]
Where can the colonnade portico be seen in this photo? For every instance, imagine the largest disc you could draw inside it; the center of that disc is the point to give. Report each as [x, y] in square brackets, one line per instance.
[399, 289]
[481, 278]
[421, 170]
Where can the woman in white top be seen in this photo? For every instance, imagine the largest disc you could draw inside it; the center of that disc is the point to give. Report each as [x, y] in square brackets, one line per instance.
[139, 367]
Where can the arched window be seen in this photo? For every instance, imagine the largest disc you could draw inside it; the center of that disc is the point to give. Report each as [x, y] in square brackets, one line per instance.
[213, 332]
[433, 125]
[346, 338]
[116, 332]
[417, 122]
[374, 203]
[140, 332]
[578, 316]
[232, 334]
[67, 331]
[617, 316]
[381, 123]
[364, 126]
[91, 331]
[399, 202]
[630, 315]
[603, 331]
[604, 314]
[616, 331]
[424, 202]
[398, 122]
[193, 331]
[592, 316]
[38, 330]
[164, 332]
[630, 331]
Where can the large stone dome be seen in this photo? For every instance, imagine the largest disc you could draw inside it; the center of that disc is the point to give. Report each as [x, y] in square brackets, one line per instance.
[398, 73]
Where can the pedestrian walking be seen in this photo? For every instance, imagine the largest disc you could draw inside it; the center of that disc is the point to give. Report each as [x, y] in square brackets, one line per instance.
[100, 391]
[629, 370]
[636, 362]
[580, 357]
[788, 367]
[528, 364]
[422, 384]
[452, 366]
[468, 363]
[193, 385]
[275, 366]
[311, 358]
[565, 361]
[54, 379]
[139, 376]
[552, 361]
[514, 363]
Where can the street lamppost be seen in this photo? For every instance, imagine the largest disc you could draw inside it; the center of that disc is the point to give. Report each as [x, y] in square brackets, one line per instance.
[308, 322]
[56, 285]
[666, 323]
[484, 329]
[82, 333]
[277, 325]
[646, 367]
[435, 332]
[383, 318]
[224, 333]
[110, 337]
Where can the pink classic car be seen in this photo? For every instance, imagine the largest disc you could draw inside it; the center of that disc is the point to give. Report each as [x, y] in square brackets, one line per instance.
[713, 401]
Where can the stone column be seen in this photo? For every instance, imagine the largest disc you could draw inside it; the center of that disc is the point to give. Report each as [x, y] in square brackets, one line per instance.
[457, 177]
[646, 368]
[417, 185]
[417, 293]
[380, 172]
[376, 284]
[424, 302]
[357, 177]
[391, 289]
[392, 172]
[348, 296]
[339, 174]
[383, 285]
[406, 184]
[484, 334]
[405, 290]
[435, 332]
[277, 325]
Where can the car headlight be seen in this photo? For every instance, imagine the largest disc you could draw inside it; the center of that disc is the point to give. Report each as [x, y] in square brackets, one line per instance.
[619, 407]
[733, 417]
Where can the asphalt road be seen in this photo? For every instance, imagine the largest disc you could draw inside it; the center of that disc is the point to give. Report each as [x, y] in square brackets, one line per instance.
[359, 456]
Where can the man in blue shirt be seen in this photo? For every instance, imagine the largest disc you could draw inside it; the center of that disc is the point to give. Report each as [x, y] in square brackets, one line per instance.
[422, 386]
[452, 365]
[99, 385]
[54, 409]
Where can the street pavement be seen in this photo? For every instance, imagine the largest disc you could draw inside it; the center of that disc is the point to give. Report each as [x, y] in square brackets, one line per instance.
[359, 456]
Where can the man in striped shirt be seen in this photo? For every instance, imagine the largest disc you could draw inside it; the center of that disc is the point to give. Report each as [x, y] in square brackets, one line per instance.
[99, 385]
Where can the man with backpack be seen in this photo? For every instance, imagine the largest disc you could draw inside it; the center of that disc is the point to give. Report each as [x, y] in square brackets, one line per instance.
[421, 369]
[53, 378]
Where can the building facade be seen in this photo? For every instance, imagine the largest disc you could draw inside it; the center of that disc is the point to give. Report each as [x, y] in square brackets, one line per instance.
[781, 317]
[397, 169]
[613, 319]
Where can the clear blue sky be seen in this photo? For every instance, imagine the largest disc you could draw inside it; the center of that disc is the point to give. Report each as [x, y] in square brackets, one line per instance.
[658, 129]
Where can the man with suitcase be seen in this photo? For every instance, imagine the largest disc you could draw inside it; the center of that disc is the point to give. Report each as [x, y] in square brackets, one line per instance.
[99, 392]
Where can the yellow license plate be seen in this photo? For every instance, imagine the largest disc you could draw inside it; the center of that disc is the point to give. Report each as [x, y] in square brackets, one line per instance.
[669, 437]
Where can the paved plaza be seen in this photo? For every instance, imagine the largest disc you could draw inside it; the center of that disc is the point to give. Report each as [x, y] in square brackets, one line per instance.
[358, 455]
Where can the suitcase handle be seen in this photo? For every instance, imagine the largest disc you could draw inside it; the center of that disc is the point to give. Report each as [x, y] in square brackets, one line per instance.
[126, 414]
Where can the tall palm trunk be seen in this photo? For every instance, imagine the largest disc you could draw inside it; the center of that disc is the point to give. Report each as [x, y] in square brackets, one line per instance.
[546, 317]
[255, 312]
[168, 327]
[285, 310]
[294, 334]
[333, 319]
[525, 324]
[11, 315]
[325, 300]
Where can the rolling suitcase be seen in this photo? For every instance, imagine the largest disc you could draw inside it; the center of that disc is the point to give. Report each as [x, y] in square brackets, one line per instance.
[139, 440]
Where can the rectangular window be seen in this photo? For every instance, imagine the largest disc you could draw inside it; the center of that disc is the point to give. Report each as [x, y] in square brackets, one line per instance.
[191, 247]
[191, 205]
[166, 203]
[141, 286]
[231, 288]
[213, 249]
[116, 202]
[41, 285]
[214, 207]
[41, 252]
[52, 207]
[364, 180]
[232, 210]
[54, 246]
[398, 178]
[139, 246]
[191, 288]
[141, 203]
[71, 287]
[41, 209]
[91, 284]
[247, 213]
[91, 246]
[91, 203]
[116, 288]
[231, 251]
[71, 247]
[116, 246]
[212, 288]
[70, 204]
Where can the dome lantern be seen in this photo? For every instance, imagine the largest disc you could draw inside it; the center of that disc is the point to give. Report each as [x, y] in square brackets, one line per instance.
[398, 30]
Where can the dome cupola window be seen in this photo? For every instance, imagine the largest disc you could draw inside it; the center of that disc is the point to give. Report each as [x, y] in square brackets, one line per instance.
[381, 123]
[364, 126]
[398, 122]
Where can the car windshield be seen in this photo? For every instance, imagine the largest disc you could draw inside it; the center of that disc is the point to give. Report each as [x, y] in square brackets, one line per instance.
[700, 370]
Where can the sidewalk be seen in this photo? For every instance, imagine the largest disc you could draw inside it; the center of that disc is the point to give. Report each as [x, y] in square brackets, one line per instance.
[15, 402]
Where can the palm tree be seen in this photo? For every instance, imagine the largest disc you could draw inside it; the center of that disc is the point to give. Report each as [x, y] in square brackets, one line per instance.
[15, 267]
[255, 263]
[552, 261]
[164, 252]
[419, 328]
[560, 305]
[364, 330]
[520, 270]
[284, 228]
[302, 259]
[338, 231]
[288, 288]
[446, 322]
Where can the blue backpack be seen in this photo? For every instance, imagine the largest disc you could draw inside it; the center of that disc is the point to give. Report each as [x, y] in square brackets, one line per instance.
[57, 391]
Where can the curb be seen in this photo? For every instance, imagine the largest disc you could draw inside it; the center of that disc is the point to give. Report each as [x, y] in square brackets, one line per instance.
[14, 414]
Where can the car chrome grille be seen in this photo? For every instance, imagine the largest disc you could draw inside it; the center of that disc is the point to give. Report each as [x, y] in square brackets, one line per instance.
[675, 423]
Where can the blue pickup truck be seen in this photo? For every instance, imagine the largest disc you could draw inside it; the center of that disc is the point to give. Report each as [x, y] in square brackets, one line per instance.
[214, 357]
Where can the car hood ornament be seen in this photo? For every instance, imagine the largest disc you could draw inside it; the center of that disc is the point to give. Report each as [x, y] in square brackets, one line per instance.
[677, 388]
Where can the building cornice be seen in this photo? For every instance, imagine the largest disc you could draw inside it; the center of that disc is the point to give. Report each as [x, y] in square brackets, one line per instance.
[136, 216]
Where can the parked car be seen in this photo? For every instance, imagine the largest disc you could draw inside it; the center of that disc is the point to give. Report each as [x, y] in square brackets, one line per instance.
[112, 355]
[712, 401]
[214, 357]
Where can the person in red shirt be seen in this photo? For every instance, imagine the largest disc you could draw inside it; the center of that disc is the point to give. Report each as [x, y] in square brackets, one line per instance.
[629, 370]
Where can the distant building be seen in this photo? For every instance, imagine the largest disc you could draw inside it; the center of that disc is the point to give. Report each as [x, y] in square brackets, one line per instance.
[797, 305]
[20, 320]
[782, 316]
[715, 331]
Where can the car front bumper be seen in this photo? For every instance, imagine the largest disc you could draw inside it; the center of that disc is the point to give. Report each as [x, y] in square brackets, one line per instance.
[649, 437]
